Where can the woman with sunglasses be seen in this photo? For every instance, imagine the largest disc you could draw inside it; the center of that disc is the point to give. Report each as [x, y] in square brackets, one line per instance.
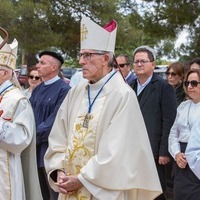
[175, 75]
[186, 184]
[33, 80]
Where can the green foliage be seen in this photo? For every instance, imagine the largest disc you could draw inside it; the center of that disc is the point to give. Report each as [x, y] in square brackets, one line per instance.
[73, 63]
[7, 18]
[164, 19]
[50, 24]
[33, 29]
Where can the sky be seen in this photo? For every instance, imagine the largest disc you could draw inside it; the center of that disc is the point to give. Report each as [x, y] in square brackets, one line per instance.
[182, 38]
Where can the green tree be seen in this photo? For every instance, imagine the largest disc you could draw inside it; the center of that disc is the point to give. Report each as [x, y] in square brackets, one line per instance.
[165, 19]
[55, 24]
[41, 24]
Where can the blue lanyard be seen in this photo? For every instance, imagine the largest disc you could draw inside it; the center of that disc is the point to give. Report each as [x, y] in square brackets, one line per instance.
[6, 89]
[91, 104]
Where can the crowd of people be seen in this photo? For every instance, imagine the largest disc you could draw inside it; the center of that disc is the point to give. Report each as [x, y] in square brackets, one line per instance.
[117, 131]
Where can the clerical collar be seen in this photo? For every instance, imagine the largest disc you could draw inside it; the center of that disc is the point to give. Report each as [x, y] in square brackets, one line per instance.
[53, 80]
[96, 86]
[99, 83]
[141, 87]
[5, 86]
[91, 101]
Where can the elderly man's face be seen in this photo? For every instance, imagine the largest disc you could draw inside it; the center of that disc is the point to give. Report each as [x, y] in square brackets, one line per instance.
[94, 65]
[3, 75]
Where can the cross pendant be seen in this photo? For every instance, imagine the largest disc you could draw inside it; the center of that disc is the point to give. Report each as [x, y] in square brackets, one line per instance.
[86, 120]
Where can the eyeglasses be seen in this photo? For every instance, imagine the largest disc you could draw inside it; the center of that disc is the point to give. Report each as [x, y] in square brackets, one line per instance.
[34, 77]
[87, 56]
[171, 73]
[142, 62]
[193, 83]
[123, 65]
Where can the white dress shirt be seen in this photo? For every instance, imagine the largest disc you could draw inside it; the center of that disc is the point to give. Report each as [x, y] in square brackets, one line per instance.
[193, 149]
[187, 114]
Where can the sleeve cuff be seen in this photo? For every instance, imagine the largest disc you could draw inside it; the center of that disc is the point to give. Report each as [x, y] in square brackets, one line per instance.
[4, 125]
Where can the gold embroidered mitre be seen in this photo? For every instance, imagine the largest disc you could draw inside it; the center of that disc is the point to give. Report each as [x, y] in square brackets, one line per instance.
[8, 54]
[96, 37]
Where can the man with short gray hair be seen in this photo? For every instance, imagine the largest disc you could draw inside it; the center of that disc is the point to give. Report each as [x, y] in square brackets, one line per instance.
[157, 102]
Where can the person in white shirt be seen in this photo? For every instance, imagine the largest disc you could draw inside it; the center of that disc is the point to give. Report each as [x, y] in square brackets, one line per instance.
[186, 184]
[193, 149]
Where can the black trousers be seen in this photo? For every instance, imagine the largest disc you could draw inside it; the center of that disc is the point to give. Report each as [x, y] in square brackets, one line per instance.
[186, 183]
[162, 177]
[47, 192]
[169, 178]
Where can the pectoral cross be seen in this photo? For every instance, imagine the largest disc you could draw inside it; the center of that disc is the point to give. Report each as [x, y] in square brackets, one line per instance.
[86, 120]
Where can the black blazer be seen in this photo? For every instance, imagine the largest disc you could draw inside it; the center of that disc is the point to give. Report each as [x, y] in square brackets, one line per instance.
[158, 106]
[131, 78]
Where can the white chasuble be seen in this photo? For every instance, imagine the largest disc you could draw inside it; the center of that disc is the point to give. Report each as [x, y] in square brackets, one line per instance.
[5, 175]
[113, 157]
[7, 110]
[81, 145]
[17, 181]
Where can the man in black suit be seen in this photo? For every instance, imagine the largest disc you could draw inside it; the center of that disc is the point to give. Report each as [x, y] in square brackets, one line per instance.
[125, 66]
[158, 105]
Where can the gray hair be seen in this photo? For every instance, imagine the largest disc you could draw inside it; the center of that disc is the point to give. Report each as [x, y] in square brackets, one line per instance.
[111, 61]
[151, 52]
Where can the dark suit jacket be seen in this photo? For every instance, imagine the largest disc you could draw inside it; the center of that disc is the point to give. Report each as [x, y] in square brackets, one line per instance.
[158, 106]
[131, 78]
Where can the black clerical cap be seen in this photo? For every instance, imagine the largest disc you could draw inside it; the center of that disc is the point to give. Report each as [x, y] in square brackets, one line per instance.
[53, 54]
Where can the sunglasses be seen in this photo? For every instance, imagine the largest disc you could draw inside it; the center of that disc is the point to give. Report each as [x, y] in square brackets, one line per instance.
[171, 73]
[34, 77]
[123, 65]
[192, 83]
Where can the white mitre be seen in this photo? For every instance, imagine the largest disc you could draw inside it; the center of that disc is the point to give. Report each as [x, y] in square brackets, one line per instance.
[96, 37]
[8, 58]
[8, 54]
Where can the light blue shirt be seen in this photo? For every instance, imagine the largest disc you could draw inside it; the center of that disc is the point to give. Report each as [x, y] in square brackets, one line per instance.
[193, 149]
[49, 82]
[140, 87]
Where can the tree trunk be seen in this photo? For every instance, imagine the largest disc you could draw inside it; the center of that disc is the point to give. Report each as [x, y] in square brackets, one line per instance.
[30, 60]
